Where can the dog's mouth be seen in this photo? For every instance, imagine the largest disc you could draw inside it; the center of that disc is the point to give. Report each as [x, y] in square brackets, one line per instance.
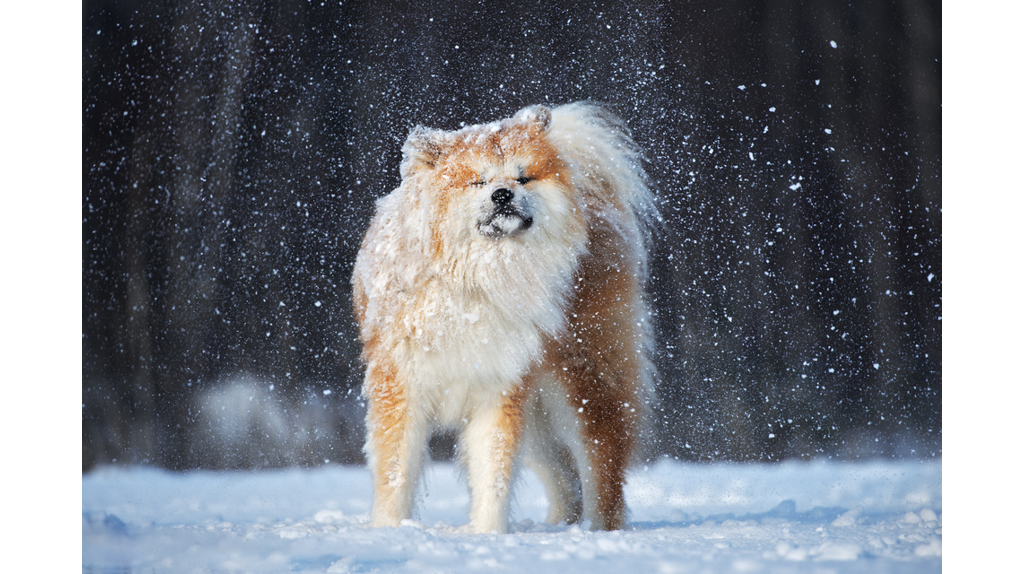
[505, 220]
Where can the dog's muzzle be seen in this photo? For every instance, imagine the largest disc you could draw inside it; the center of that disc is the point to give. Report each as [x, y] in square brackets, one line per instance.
[506, 217]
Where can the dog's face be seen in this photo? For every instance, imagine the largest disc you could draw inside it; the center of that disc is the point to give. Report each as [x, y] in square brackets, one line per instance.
[505, 204]
[498, 181]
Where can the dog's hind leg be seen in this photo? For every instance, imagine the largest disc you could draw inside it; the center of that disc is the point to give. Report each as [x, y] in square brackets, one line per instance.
[607, 433]
[557, 471]
[608, 450]
[395, 446]
[549, 457]
[603, 376]
[490, 441]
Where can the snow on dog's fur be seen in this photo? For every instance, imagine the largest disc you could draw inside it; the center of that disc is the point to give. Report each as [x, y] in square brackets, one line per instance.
[499, 291]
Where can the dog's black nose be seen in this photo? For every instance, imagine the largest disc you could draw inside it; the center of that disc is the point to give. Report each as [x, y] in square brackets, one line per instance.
[501, 196]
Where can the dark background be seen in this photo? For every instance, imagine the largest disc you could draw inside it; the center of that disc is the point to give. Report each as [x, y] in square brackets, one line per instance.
[232, 153]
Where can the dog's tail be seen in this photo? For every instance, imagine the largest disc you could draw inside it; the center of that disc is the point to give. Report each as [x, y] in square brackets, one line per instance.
[608, 164]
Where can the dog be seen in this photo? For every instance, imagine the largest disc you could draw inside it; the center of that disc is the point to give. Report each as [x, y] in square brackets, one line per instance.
[499, 291]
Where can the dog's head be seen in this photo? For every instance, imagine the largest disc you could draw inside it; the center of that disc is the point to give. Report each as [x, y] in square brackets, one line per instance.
[499, 180]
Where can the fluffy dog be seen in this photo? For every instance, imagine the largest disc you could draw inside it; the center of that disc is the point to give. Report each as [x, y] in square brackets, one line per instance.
[499, 290]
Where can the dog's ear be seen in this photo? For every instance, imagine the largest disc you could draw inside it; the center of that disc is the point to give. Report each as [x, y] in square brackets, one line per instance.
[422, 149]
[539, 115]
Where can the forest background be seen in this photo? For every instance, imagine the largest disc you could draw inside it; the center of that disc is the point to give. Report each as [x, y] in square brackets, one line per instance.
[232, 152]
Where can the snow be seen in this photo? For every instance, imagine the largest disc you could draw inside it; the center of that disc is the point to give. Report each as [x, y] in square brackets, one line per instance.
[873, 516]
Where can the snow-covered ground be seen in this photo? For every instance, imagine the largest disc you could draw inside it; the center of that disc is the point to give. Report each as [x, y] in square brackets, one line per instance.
[877, 516]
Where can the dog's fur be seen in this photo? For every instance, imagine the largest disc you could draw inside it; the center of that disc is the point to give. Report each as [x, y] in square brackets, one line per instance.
[499, 290]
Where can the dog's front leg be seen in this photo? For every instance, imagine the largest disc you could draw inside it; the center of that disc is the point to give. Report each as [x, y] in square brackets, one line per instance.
[490, 442]
[395, 445]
